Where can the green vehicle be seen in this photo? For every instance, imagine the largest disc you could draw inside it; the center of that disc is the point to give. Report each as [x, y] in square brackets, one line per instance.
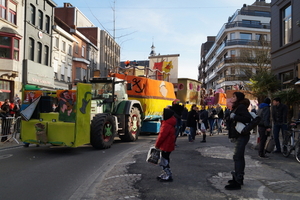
[95, 114]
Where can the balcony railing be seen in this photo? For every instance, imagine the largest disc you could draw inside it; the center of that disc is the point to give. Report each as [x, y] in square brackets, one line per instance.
[247, 42]
[247, 25]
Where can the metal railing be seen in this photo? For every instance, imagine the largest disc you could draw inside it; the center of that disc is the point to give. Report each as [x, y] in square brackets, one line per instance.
[10, 127]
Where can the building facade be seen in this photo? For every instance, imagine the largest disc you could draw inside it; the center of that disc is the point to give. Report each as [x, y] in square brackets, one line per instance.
[11, 48]
[285, 51]
[222, 65]
[108, 51]
[39, 17]
[62, 57]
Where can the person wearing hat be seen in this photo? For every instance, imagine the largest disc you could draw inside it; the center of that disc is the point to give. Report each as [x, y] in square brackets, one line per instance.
[241, 114]
[264, 126]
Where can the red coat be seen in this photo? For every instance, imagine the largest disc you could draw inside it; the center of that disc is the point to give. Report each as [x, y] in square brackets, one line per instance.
[166, 138]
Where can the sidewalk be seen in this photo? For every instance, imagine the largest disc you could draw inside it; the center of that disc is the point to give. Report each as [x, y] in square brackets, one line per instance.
[11, 143]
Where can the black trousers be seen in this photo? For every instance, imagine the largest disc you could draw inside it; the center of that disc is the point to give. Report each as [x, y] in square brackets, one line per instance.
[263, 139]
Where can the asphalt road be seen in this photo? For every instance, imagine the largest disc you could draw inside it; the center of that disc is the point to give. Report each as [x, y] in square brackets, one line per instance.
[56, 173]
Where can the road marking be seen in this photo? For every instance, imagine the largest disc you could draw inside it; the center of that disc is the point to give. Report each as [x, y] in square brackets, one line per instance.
[260, 192]
[6, 156]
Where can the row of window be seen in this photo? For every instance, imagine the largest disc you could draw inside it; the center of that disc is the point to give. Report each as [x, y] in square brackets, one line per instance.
[40, 22]
[35, 52]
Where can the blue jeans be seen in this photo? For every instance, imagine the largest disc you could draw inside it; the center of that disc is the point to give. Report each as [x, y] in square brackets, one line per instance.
[276, 130]
[192, 135]
[239, 157]
[219, 123]
[211, 124]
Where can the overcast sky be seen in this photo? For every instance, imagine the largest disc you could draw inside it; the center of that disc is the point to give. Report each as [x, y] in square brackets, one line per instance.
[174, 26]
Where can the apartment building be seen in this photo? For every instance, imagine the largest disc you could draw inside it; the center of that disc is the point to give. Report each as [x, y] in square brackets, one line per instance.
[11, 48]
[221, 64]
[285, 50]
[38, 21]
[62, 57]
[108, 51]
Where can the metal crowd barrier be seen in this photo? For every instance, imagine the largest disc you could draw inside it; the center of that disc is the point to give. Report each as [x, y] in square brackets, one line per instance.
[10, 127]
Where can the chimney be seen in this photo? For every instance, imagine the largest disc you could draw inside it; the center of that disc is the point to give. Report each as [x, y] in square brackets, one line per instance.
[67, 5]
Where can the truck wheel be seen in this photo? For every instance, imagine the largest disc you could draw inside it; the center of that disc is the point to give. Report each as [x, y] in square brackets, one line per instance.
[102, 131]
[132, 125]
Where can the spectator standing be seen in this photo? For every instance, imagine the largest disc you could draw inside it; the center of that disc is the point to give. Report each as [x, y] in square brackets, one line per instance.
[241, 114]
[165, 142]
[264, 126]
[227, 117]
[279, 116]
[220, 118]
[211, 118]
[17, 108]
[177, 108]
[183, 120]
[5, 106]
[203, 115]
[192, 120]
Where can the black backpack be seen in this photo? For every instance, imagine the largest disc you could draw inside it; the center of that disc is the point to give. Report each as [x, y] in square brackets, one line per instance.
[251, 125]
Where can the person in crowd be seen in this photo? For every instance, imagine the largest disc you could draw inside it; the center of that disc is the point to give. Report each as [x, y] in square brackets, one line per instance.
[17, 108]
[241, 114]
[5, 106]
[264, 126]
[203, 115]
[279, 116]
[165, 142]
[11, 108]
[227, 117]
[212, 113]
[183, 120]
[254, 111]
[3, 114]
[219, 120]
[177, 108]
[192, 120]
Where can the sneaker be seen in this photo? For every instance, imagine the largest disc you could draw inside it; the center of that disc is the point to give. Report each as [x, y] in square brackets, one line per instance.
[168, 179]
[203, 141]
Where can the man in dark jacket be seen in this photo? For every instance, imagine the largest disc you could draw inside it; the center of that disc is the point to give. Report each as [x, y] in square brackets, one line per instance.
[279, 115]
[192, 120]
[264, 126]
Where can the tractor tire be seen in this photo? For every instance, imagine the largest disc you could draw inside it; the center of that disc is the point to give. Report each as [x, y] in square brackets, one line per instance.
[132, 125]
[102, 131]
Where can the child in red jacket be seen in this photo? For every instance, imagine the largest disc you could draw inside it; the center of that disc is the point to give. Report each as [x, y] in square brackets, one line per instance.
[166, 143]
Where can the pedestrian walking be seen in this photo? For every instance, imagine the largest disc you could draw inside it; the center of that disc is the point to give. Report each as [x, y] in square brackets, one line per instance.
[239, 113]
[183, 120]
[264, 126]
[212, 114]
[219, 120]
[165, 142]
[279, 116]
[192, 120]
[203, 115]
